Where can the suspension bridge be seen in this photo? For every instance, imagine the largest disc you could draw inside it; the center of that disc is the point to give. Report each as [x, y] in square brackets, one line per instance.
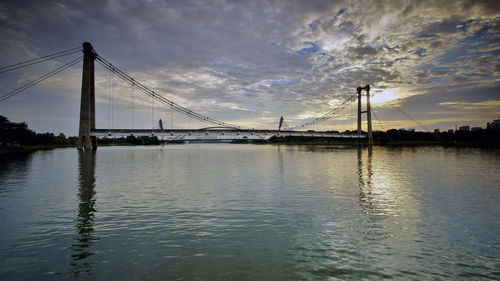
[218, 130]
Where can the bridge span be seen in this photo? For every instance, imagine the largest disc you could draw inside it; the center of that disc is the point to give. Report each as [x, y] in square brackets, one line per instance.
[217, 134]
[88, 134]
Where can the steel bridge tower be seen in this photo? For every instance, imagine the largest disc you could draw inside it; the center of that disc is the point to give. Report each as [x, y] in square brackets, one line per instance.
[367, 111]
[87, 104]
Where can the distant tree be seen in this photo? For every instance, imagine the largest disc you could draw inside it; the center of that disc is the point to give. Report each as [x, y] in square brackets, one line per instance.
[11, 132]
[19, 133]
[61, 140]
[45, 138]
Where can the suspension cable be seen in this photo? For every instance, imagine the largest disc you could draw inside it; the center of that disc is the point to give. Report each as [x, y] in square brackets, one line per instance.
[133, 107]
[411, 118]
[171, 118]
[417, 122]
[39, 60]
[110, 105]
[112, 101]
[152, 113]
[40, 79]
[158, 97]
[352, 117]
[329, 114]
[380, 122]
[378, 119]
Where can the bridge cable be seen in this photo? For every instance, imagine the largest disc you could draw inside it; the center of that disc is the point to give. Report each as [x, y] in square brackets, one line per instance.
[158, 97]
[355, 118]
[411, 118]
[380, 122]
[111, 96]
[353, 126]
[152, 114]
[329, 114]
[109, 102]
[39, 79]
[376, 116]
[417, 122]
[171, 118]
[133, 108]
[39, 60]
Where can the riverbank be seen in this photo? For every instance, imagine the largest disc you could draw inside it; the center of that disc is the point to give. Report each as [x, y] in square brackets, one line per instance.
[283, 141]
[32, 148]
[29, 148]
[24, 149]
[402, 138]
[393, 143]
[287, 140]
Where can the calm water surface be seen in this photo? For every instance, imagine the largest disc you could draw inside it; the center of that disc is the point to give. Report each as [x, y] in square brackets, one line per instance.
[251, 212]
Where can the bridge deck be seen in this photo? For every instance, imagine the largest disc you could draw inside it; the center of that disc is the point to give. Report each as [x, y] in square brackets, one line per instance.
[217, 134]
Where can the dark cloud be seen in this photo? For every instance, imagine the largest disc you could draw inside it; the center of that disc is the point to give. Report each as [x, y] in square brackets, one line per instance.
[446, 27]
[360, 52]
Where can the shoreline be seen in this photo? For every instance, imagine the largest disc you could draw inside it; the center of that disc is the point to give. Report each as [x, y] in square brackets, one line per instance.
[30, 149]
[395, 143]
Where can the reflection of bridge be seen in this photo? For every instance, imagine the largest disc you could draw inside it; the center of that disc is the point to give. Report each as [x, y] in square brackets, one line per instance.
[88, 133]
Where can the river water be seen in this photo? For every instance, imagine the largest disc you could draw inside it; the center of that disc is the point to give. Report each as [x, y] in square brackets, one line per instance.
[251, 212]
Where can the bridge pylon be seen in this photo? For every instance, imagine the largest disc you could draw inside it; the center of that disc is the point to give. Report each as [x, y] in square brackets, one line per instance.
[367, 111]
[87, 103]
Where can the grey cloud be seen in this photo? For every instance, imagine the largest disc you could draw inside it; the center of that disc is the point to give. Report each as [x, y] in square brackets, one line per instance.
[443, 27]
[360, 52]
[432, 97]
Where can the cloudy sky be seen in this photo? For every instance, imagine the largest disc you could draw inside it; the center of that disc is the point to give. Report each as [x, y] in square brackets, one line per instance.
[250, 62]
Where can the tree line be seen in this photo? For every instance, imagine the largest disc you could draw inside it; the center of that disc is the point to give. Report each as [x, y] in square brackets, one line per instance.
[401, 137]
[12, 133]
[18, 134]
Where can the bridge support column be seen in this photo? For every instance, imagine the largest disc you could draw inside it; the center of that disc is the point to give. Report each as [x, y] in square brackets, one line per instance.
[368, 114]
[87, 103]
[359, 89]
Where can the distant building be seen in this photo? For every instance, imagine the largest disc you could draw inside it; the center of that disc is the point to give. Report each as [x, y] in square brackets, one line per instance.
[495, 125]
[450, 130]
[474, 129]
[436, 131]
[411, 130]
[464, 128]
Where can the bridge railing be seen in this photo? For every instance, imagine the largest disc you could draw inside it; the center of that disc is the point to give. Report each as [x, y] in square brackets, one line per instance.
[218, 134]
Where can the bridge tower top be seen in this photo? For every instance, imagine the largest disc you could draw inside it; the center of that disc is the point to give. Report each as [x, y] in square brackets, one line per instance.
[89, 51]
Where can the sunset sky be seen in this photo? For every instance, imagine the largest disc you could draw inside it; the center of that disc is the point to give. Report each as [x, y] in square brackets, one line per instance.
[250, 62]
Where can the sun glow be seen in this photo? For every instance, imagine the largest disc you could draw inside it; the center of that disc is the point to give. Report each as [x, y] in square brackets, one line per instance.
[386, 95]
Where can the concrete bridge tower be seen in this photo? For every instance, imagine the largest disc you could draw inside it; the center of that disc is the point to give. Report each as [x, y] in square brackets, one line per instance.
[87, 104]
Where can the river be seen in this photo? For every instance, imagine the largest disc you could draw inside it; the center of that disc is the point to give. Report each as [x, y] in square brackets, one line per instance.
[251, 212]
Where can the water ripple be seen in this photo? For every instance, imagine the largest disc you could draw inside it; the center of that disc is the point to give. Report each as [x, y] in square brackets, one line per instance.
[244, 212]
